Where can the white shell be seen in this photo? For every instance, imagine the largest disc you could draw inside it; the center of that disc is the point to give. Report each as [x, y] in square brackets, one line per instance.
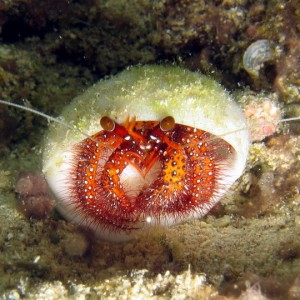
[256, 55]
[149, 93]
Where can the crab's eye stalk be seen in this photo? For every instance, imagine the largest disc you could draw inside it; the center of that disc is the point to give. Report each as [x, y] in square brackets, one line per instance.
[167, 124]
[107, 124]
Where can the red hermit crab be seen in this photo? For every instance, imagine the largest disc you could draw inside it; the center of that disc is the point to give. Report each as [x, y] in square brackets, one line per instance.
[158, 153]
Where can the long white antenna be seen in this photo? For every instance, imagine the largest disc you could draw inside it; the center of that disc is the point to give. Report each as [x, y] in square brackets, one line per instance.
[260, 125]
[34, 111]
[88, 136]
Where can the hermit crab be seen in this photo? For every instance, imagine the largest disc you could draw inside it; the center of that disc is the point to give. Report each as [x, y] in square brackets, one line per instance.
[163, 145]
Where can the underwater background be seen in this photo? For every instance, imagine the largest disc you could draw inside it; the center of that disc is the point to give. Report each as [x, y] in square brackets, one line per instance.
[249, 245]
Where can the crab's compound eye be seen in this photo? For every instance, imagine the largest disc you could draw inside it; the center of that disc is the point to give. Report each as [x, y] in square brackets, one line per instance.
[107, 123]
[167, 124]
